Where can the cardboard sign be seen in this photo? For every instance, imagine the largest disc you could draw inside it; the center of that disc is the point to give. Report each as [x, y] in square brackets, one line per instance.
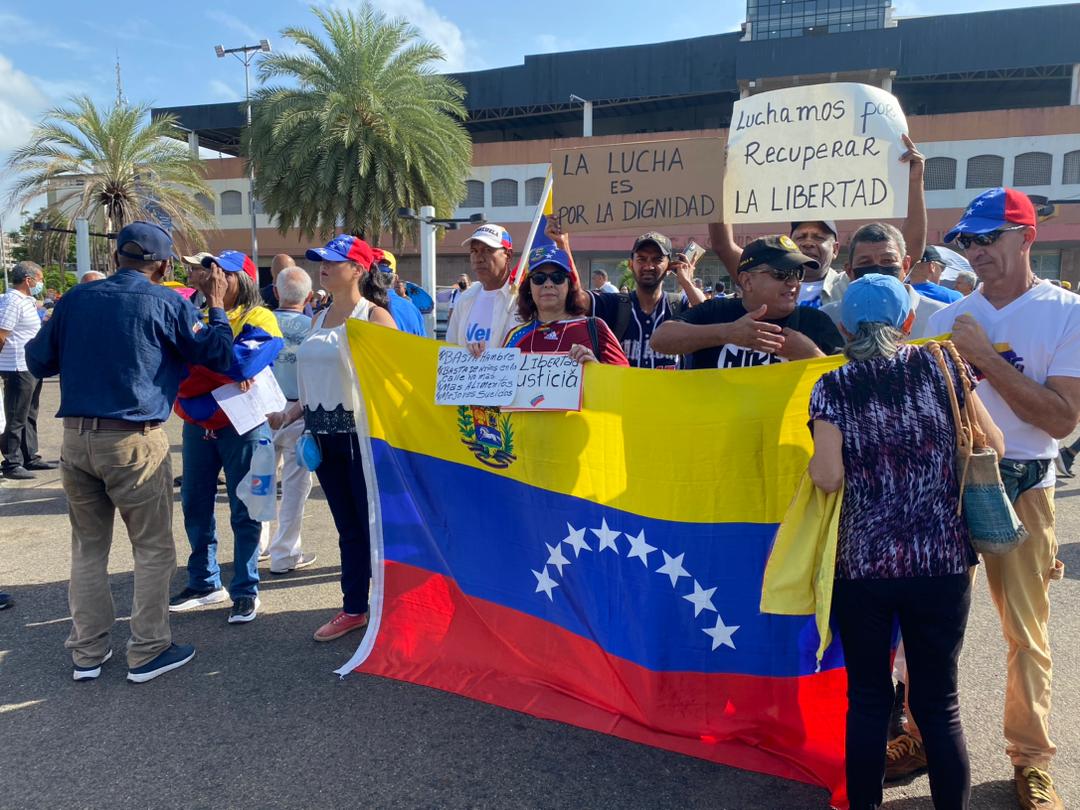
[829, 151]
[547, 382]
[490, 379]
[638, 186]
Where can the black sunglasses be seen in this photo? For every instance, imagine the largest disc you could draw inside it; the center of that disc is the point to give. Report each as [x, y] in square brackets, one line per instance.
[966, 240]
[557, 277]
[796, 273]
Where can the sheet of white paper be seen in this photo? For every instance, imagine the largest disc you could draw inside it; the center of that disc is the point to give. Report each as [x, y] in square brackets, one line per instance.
[247, 410]
[826, 151]
[548, 382]
[490, 379]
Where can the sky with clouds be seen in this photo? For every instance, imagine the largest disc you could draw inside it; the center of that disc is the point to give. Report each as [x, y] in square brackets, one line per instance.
[52, 50]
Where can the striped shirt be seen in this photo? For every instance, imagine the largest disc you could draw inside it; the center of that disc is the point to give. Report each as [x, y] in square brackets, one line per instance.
[19, 318]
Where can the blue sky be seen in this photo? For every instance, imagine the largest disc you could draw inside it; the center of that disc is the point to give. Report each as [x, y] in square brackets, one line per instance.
[53, 49]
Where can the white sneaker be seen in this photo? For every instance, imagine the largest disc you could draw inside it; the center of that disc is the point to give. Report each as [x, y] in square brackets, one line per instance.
[188, 599]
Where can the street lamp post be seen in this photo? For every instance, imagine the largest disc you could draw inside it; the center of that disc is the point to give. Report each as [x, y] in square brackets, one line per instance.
[428, 224]
[245, 53]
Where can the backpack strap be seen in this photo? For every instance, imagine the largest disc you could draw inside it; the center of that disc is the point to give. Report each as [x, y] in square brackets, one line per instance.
[622, 316]
[594, 337]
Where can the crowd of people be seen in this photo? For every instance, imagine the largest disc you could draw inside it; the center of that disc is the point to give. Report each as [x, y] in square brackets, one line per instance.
[882, 428]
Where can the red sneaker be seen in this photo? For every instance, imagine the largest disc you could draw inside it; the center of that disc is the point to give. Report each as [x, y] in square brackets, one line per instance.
[340, 625]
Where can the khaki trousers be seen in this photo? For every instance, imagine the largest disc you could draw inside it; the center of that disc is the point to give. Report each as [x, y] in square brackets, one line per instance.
[102, 472]
[1019, 584]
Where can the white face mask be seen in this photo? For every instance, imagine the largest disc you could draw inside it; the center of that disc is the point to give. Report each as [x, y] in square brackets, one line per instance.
[37, 288]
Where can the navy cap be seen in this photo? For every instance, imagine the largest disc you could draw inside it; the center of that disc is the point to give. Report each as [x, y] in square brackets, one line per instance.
[550, 255]
[156, 244]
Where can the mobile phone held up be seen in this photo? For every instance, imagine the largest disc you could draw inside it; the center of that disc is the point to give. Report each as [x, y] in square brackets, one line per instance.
[693, 252]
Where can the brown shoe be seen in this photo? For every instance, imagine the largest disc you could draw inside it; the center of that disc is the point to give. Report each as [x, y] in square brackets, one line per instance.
[904, 756]
[1035, 790]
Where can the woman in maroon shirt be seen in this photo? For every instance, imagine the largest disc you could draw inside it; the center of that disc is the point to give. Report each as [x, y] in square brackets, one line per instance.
[551, 305]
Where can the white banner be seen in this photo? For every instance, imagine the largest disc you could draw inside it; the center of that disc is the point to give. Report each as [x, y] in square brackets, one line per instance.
[490, 379]
[828, 151]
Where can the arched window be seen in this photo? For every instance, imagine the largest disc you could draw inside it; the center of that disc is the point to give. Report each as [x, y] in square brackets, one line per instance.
[504, 193]
[940, 174]
[1032, 169]
[534, 187]
[205, 202]
[985, 171]
[232, 202]
[1070, 172]
[474, 194]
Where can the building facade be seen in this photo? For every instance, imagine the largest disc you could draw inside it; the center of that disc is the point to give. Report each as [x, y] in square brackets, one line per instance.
[992, 98]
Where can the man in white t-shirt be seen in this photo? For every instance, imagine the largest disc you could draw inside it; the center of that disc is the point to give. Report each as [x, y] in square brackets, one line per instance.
[485, 312]
[1023, 338]
[19, 323]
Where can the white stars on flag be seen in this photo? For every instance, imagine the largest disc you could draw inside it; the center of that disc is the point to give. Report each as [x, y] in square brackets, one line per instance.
[721, 634]
[672, 567]
[639, 548]
[607, 537]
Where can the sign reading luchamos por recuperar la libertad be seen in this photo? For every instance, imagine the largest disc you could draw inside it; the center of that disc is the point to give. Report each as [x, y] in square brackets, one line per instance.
[829, 151]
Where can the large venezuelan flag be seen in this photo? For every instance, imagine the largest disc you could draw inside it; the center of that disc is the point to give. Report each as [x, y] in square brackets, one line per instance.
[601, 568]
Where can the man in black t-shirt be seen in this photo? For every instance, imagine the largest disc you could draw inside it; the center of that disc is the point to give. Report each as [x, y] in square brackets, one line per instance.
[764, 326]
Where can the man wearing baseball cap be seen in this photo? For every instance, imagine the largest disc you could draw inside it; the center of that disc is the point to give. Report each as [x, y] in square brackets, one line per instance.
[765, 326]
[485, 312]
[925, 277]
[404, 312]
[115, 395]
[634, 316]
[1023, 336]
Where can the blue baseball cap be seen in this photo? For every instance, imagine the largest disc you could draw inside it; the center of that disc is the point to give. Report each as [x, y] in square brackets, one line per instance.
[233, 261]
[550, 255]
[156, 244]
[995, 209]
[875, 298]
[344, 248]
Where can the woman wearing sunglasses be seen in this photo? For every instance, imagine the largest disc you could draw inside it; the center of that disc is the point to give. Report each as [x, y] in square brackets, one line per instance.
[551, 305]
[765, 326]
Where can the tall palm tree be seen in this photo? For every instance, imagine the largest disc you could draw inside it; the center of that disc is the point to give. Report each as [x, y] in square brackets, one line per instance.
[362, 127]
[131, 168]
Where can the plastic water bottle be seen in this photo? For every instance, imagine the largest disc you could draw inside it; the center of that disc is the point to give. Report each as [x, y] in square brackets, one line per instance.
[263, 468]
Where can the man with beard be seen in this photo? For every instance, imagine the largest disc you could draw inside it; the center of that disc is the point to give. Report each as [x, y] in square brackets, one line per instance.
[634, 316]
[765, 326]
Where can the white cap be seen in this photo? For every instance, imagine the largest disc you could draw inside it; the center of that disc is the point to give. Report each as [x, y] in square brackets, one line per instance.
[495, 236]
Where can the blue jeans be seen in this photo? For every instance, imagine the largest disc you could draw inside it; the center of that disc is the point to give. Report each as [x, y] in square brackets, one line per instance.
[204, 457]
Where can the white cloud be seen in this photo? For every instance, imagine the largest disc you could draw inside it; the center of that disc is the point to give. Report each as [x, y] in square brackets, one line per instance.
[236, 25]
[223, 91]
[19, 30]
[461, 53]
[22, 101]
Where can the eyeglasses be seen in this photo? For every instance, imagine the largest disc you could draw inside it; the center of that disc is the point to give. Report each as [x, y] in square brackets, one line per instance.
[557, 277]
[795, 273]
[966, 240]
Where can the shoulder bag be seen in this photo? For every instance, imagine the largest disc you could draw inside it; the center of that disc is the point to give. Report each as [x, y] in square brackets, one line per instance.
[992, 523]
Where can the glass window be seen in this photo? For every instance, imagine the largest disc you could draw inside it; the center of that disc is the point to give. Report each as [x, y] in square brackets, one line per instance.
[232, 202]
[985, 171]
[1032, 169]
[1046, 265]
[205, 202]
[940, 174]
[504, 193]
[474, 194]
[255, 204]
[534, 187]
[1070, 172]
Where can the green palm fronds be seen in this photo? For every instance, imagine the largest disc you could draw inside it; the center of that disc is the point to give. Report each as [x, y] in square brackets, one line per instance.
[360, 126]
[131, 167]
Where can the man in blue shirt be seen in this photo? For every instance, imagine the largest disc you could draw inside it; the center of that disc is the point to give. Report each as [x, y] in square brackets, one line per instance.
[114, 396]
[925, 275]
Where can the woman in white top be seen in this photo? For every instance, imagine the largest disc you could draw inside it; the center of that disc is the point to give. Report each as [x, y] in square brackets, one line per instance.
[328, 402]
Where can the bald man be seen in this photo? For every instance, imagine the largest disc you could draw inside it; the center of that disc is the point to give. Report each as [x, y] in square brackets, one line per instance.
[91, 275]
[280, 262]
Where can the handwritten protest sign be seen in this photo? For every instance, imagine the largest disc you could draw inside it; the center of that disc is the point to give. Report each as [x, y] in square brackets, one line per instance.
[638, 185]
[490, 379]
[547, 382]
[829, 151]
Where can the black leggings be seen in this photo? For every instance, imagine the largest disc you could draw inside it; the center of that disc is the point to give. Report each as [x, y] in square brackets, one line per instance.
[933, 614]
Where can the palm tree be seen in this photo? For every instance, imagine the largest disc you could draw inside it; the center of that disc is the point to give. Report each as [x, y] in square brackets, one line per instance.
[362, 127]
[130, 168]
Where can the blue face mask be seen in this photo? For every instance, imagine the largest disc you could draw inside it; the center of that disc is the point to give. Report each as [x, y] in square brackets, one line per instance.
[308, 454]
[37, 288]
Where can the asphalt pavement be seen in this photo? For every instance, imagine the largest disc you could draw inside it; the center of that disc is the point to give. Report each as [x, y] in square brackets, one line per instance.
[259, 720]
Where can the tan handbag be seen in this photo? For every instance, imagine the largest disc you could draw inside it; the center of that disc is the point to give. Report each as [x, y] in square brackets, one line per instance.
[992, 523]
